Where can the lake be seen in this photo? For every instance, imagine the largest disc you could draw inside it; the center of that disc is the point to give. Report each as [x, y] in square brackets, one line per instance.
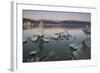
[57, 47]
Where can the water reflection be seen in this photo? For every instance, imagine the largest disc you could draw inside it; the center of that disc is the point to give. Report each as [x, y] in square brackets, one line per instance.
[55, 44]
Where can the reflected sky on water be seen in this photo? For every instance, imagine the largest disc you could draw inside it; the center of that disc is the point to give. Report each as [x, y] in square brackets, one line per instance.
[58, 47]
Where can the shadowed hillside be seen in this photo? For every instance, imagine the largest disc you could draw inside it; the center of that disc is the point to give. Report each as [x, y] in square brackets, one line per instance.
[55, 23]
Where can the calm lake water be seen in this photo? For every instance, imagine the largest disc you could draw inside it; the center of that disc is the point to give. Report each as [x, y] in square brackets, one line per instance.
[54, 50]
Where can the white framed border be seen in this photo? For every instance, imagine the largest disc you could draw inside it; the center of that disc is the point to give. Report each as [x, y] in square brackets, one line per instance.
[16, 51]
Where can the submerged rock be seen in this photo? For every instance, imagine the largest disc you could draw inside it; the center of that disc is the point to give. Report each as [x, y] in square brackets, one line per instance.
[32, 53]
[75, 50]
[32, 59]
[87, 42]
[50, 54]
[37, 59]
[24, 41]
[75, 46]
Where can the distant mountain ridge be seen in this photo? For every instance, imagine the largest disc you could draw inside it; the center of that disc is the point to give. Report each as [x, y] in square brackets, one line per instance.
[57, 23]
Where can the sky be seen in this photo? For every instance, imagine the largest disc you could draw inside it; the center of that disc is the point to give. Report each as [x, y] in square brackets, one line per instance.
[53, 15]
